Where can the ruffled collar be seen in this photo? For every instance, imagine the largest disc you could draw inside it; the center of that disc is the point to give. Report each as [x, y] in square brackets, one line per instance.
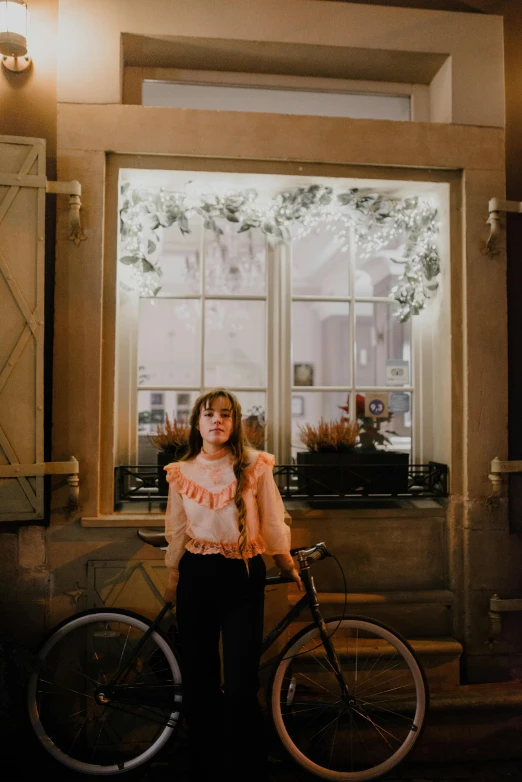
[216, 500]
[213, 457]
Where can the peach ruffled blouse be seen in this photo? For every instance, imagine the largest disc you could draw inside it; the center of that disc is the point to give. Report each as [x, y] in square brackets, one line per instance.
[202, 515]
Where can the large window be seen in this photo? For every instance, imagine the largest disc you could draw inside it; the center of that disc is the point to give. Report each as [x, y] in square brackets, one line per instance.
[297, 330]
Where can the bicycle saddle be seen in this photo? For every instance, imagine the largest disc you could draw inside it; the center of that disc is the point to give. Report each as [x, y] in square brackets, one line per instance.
[154, 537]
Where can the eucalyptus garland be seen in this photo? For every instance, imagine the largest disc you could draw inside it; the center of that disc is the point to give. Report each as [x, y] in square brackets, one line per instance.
[373, 218]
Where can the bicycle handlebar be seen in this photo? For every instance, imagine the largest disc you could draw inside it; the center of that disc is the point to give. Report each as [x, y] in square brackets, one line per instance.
[313, 554]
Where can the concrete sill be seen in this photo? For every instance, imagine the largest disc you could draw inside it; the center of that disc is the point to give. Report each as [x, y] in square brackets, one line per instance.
[294, 509]
[125, 520]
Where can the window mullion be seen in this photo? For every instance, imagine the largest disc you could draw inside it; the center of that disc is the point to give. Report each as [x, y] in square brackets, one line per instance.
[272, 357]
[279, 390]
[418, 370]
[285, 342]
[353, 324]
[202, 272]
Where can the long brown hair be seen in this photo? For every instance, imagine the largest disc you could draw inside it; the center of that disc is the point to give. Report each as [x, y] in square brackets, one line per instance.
[237, 444]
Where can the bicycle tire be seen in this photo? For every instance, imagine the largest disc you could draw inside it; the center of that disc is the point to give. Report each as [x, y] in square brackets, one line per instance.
[339, 738]
[127, 726]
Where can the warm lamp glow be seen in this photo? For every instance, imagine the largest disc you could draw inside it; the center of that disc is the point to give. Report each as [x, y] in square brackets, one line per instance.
[13, 34]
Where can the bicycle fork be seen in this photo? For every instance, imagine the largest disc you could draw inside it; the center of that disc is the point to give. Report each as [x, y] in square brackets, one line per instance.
[331, 654]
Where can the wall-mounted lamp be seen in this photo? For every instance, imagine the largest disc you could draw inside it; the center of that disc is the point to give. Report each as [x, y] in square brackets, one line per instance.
[14, 22]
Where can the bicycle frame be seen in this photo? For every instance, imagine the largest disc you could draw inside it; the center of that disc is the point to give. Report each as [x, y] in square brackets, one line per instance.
[309, 599]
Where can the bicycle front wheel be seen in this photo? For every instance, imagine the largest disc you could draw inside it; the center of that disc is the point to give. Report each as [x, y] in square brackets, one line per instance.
[358, 730]
[87, 725]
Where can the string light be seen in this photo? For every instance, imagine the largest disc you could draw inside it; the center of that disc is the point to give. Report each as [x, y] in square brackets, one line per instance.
[374, 220]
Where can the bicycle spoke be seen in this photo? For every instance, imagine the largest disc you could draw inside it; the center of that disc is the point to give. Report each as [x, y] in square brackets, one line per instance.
[68, 689]
[315, 682]
[124, 647]
[95, 729]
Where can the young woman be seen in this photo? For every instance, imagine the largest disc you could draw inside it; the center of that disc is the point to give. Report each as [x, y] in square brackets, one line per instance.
[224, 511]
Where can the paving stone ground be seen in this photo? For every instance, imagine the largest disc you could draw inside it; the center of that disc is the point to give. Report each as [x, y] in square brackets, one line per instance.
[23, 759]
[30, 762]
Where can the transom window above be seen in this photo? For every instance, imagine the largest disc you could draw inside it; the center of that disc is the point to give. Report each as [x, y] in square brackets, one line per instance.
[276, 101]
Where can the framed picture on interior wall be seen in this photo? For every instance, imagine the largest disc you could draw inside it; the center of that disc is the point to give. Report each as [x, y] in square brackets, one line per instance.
[298, 406]
[303, 374]
[183, 399]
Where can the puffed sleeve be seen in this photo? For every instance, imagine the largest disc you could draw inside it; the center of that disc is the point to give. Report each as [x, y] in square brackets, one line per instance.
[274, 530]
[175, 525]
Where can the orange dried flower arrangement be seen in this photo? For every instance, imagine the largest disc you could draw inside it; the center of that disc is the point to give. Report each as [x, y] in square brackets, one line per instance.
[329, 436]
[173, 436]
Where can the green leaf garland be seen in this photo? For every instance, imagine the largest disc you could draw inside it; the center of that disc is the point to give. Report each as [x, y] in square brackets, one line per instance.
[373, 218]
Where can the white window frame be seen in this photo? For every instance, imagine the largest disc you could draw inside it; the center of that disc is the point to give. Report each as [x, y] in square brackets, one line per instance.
[279, 299]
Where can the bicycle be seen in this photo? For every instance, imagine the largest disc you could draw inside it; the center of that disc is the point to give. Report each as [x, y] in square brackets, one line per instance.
[347, 696]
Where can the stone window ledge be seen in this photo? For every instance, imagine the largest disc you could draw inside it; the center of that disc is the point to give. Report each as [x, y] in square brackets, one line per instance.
[294, 509]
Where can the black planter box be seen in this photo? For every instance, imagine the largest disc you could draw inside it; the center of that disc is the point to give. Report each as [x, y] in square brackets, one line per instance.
[166, 457]
[353, 472]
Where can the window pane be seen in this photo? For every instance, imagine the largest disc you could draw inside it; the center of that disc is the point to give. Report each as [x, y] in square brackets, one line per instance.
[153, 407]
[380, 337]
[179, 259]
[274, 101]
[235, 262]
[169, 342]
[375, 271]
[310, 407]
[319, 265]
[321, 343]
[253, 408]
[400, 424]
[235, 343]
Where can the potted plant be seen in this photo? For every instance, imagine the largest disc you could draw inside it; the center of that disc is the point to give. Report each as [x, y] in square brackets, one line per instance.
[171, 440]
[335, 462]
[370, 435]
[390, 473]
[330, 447]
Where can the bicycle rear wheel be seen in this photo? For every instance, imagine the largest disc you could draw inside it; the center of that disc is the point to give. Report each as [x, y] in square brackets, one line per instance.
[356, 736]
[87, 726]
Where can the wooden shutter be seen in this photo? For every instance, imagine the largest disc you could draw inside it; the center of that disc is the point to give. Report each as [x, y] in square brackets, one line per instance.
[22, 224]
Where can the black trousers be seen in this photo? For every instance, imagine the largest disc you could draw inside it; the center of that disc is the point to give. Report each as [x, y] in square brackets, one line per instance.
[217, 597]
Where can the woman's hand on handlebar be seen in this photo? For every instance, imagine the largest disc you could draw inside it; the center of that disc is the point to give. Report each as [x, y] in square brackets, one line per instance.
[293, 573]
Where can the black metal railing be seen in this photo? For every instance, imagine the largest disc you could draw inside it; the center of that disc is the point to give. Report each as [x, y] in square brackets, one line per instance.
[139, 483]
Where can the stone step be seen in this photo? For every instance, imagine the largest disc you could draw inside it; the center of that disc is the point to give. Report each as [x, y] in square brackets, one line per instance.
[473, 722]
[439, 656]
[415, 613]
